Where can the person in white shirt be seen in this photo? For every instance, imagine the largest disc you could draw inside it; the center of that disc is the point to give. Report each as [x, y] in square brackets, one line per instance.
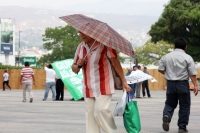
[6, 80]
[50, 82]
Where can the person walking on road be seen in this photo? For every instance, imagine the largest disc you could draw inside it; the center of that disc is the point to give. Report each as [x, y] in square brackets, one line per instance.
[6, 80]
[138, 86]
[145, 85]
[26, 80]
[50, 82]
[132, 92]
[133, 86]
[98, 83]
[177, 66]
[59, 89]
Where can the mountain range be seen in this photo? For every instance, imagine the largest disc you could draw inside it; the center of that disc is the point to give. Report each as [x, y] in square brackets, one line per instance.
[32, 23]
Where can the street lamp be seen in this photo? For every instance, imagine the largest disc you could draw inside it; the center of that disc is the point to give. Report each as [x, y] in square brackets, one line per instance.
[19, 48]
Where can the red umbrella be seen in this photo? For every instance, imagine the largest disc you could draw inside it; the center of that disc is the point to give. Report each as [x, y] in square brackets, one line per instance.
[100, 31]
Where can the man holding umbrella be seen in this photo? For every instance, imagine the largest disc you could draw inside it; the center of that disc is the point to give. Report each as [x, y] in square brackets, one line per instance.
[96, 59]
[98, 82]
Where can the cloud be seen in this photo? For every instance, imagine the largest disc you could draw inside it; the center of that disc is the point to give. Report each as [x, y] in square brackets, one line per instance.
[43, 2]
[146, 7]
[67, 2]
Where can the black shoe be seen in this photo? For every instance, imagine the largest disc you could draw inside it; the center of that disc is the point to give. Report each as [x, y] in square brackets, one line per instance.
[43, 99]
[82, 99]
[24, 101]
[56, 100]
[138, 97]
[165, 123]
[61, 100]
[182, 131]
[71, 99]
[3, 90]
[31, 100]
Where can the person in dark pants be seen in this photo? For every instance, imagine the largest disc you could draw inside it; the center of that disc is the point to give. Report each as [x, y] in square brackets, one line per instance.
[6, 80]
[132, 92]
[177, 66]
[59, 89]
[145, 85]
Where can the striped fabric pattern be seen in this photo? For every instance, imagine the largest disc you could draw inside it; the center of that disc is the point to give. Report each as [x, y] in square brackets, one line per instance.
[26, 74]
[97, 73]
[101, 32]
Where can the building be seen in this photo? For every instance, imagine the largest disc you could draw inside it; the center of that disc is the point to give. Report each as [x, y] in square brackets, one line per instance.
[33, 52]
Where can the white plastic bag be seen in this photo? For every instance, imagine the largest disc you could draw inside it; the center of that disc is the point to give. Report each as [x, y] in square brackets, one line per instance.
[120, 106]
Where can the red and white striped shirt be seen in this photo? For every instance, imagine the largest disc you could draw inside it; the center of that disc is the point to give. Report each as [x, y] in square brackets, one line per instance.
[97, 73]
[26, 74]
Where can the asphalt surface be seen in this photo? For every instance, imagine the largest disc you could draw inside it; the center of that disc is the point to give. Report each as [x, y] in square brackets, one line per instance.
[69, 116]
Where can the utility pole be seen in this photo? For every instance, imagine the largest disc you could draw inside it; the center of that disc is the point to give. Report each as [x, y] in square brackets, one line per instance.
[19, 49]
[136, 60]
[130, 57]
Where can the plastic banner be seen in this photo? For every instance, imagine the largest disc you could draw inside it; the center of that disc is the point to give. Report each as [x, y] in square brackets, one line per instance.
[72, 81]
[138, 76]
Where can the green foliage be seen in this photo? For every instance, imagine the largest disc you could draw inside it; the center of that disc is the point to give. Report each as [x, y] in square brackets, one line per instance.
[151, 53]
[62, 41]
[180, 18]
[121, 59]
[9, 67]
[14, 67]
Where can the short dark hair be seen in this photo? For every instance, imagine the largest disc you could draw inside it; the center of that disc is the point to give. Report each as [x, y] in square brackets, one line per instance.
[180, 43]
[145, 67]
[50, 66]
[134, 66]
[5, 71]
[26, 63]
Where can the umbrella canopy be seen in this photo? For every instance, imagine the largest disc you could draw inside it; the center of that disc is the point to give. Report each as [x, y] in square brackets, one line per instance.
[101, 32]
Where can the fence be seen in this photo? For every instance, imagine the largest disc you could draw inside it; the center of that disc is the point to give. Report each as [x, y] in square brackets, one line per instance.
[40, 76]
[14, 78]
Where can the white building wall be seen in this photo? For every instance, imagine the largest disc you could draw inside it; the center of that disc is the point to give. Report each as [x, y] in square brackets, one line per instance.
[2, 59]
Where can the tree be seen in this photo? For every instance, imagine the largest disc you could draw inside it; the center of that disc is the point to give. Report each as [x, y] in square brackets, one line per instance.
[151, 53]
[180, 18]
[121, 59]
[62, 41]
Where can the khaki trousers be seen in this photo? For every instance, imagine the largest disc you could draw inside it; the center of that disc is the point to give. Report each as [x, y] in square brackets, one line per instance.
[27, 87]
[98, 115]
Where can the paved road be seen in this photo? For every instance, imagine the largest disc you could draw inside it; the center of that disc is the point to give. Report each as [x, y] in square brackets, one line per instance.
[68, 116]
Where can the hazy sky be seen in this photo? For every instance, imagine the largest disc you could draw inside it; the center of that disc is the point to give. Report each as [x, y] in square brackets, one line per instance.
[144, 7]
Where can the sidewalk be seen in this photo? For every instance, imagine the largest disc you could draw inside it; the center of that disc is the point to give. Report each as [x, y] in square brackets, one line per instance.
[69, 116]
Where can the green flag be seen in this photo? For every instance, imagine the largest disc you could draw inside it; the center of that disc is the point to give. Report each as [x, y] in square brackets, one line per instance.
[72, 81]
